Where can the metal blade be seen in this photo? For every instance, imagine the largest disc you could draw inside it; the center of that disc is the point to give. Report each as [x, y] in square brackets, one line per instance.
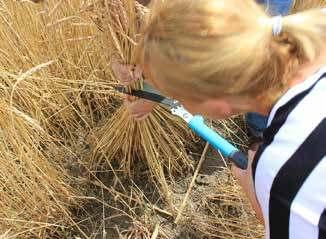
[149, 95]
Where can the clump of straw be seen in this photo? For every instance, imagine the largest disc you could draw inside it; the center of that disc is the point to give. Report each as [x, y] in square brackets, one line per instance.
[159, 139]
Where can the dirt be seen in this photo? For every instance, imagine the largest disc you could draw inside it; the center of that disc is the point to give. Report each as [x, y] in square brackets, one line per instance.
[113, 209]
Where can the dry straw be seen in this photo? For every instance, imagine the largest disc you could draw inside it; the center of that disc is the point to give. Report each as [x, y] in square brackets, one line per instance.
[49, 74]
[34, 193]
[74, 90]
[300, 5]
[158, 140]
[230, 215]
[55, 79]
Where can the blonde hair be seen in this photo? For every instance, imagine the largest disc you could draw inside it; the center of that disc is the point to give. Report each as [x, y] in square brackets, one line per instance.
[226, 47]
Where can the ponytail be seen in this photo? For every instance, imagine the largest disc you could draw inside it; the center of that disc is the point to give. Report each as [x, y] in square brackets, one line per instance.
[306, 31]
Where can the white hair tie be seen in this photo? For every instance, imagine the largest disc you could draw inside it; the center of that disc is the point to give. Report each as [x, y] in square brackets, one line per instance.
[276, 25]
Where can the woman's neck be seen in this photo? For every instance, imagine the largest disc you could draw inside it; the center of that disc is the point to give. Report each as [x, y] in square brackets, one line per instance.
[304, 72]
[307, 70]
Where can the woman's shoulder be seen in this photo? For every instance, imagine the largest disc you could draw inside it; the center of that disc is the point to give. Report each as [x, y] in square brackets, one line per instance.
[291, 163]
[311, 89]
[294, 120]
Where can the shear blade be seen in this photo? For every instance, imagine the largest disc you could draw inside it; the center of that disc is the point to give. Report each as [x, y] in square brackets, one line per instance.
[147, 95]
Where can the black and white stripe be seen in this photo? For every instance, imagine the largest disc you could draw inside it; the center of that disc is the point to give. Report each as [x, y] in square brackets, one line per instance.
[322, 226]
[290, 167]
[281, 111]
[292, 183]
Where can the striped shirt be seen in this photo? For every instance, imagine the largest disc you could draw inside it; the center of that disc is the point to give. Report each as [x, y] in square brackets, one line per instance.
[289, 168]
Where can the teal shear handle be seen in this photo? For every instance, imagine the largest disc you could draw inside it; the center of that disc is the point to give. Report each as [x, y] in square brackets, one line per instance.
[198, 125]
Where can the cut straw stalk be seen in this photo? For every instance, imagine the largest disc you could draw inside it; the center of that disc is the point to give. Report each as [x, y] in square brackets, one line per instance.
[156, 231]
[184, 201]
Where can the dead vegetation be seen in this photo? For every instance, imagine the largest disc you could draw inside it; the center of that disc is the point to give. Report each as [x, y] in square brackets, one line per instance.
[73, 163]
[300, 5]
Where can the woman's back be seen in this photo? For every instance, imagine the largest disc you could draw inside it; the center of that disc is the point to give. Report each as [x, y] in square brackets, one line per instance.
[290, 166]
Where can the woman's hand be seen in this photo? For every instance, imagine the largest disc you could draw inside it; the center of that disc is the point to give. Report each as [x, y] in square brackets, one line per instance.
[126, 74]
[245, 180]
[139, 109]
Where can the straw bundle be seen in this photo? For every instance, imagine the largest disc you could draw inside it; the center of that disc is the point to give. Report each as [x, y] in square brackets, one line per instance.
[159, 139]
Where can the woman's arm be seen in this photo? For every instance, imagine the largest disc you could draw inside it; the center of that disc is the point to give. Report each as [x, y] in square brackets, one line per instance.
[245, 180]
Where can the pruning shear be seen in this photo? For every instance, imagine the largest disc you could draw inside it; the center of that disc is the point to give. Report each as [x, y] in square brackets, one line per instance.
[195, 122]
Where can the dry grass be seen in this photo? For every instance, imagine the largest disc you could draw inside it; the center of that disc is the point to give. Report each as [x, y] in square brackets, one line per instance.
[57, 101]
[230, 215]
[300, 5]
[158, 140]
[75, 88]
[51, 85]
[218, 210]
[34, 191]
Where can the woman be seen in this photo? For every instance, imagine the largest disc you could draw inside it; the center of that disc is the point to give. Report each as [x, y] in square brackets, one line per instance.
[140, 109]
[226, 57]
